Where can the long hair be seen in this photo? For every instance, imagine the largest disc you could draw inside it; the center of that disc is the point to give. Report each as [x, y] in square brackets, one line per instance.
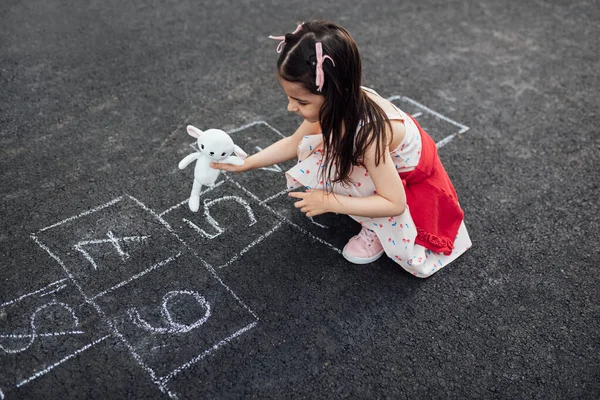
[351, 122]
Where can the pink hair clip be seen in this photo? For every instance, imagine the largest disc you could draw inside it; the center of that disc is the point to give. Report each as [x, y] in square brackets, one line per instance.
[282, 38]
[320, 58]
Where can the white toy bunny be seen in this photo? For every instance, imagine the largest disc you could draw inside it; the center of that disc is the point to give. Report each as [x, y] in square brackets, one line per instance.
[215, 146]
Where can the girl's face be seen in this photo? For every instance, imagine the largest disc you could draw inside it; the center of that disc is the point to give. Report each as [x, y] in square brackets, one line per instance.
[301, 101]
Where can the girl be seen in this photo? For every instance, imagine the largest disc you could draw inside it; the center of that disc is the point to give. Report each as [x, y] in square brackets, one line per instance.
[360, 155]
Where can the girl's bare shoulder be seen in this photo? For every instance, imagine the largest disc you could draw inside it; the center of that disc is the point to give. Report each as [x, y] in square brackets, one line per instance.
[398, 129]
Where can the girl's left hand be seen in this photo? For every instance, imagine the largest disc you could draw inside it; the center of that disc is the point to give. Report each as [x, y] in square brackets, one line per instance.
[313, 202]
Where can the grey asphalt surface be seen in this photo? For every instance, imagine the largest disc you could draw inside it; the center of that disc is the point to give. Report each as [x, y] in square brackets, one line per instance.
[94, 99]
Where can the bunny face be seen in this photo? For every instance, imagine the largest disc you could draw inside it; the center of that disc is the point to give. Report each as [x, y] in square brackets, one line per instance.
[215, 144]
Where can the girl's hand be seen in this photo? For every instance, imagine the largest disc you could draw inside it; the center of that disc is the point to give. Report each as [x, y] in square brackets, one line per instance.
[228, 167]
[313, 202]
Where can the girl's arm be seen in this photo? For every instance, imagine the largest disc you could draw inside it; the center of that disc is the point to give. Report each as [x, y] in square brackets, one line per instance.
[390, 199]
[283, 150]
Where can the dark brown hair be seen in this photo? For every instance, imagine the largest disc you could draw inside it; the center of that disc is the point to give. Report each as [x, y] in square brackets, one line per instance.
[346, 105]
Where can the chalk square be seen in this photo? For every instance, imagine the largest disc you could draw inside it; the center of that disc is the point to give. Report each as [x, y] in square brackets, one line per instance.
[43, 329]
[173, 317]
[228, 223]
[268, 181]
[440, 127]
[105, 246]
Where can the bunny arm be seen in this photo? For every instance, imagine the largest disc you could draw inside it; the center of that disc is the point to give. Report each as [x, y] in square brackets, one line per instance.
[188, 159]
[232, 160]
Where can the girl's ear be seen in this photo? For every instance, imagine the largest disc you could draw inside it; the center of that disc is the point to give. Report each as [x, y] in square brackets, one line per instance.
[193, 131]
[239, 152]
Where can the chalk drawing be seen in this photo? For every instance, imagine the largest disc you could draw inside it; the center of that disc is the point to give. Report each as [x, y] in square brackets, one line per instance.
[116, 242]
[103, 315]
[42, 290]
[1, 395]
[274, 196]
[448, 138]
[58, 289]
[170, 376]
[136, 276]
[61, 361]
[241, 128]
[304, 231]
[34, 334]
[158, 380]
[174, 327]
[209, 188]
[207, 206]
[93, 210]
[251, 245]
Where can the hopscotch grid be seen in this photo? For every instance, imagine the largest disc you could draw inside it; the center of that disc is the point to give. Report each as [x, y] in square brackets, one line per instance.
[105, 318]
[206, 264]
[32, 293]
[214, 274]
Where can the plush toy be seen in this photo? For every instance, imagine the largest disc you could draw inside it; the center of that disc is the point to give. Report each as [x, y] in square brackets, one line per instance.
[214, 146]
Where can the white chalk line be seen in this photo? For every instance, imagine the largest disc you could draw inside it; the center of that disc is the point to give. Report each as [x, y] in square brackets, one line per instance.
[246, 126]
[429, 110]
[50, 334]
[136, 276]
[33, 293]
[58, 289]
[251, 245]
[105, 318]
[216, 185]
[447, 139]
[281, 217]
[1, 395]
[110, 203]
[61, 361]
[194, 360]
[274, 196]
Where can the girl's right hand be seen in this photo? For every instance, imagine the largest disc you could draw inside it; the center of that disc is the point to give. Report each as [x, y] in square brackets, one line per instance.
[229, 167]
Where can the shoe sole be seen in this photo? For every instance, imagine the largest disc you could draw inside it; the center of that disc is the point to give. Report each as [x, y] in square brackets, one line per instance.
[357, 260]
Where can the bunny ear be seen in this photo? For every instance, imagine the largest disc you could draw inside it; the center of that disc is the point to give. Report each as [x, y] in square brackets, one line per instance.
[193, 131]
[239, 152]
